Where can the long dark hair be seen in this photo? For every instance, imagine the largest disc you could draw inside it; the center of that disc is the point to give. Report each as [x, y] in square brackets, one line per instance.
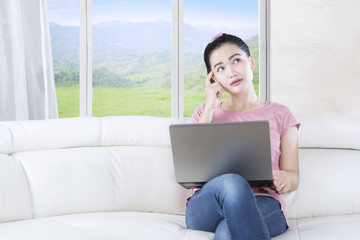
[218, 41]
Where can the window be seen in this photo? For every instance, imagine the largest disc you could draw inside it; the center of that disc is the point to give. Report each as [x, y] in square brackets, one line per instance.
[131, 53]
[131, 57]
[64, 20]
[204, 19]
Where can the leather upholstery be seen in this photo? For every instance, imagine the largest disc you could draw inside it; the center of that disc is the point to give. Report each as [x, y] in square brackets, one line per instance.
[112, 178]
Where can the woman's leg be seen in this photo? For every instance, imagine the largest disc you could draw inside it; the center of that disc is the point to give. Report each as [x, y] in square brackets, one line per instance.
[272, 214]
[228, 197]
[222, 231]
[271, 210]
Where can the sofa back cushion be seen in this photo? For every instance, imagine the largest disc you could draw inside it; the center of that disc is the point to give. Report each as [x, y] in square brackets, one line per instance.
[20, 136]
[15, 202]
[95, 179]
[331, 132]
[329, 184]
[329, 159]
[136, 131]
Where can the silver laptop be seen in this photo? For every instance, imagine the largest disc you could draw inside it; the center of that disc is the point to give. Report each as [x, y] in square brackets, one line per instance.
[202, 151]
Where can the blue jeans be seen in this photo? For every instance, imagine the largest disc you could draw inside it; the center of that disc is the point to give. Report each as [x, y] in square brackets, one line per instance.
[227, 206]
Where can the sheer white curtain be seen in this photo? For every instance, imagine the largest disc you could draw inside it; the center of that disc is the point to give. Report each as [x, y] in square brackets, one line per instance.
[27, 86]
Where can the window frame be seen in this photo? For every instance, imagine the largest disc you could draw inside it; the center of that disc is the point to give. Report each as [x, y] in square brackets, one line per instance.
[85, 81]
[264, 50]
[177, 56]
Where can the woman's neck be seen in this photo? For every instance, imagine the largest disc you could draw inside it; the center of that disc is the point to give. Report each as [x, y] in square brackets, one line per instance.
[243, 102]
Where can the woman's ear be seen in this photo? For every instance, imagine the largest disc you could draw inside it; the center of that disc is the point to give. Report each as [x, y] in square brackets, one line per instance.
[252, 62]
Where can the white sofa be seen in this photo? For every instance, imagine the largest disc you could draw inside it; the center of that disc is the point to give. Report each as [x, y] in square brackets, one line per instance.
[112, 178]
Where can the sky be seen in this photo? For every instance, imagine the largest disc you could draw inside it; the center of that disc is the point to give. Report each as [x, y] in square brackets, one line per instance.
[216, 13]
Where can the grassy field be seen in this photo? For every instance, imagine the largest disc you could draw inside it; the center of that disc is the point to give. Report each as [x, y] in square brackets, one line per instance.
[68, 101]
[125, 101]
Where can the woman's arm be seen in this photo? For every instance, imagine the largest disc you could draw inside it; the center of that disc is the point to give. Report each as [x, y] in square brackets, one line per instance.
[287, 178]
[212, 98]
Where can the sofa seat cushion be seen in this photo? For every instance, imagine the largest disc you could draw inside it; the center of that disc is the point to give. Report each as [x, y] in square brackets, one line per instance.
[328, 227]
[104, 226]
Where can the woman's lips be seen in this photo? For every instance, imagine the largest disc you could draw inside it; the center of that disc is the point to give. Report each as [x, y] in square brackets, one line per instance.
[236, 82]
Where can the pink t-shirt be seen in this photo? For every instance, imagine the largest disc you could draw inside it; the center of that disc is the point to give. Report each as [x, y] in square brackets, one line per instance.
[280, 119]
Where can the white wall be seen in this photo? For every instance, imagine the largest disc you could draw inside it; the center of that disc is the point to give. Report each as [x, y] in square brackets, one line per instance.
[315, 55]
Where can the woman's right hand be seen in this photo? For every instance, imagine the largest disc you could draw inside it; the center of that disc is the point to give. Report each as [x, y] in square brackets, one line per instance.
[212, 98]
[212, 92]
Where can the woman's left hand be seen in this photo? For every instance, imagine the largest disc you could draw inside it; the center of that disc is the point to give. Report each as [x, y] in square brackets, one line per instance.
[282, 181]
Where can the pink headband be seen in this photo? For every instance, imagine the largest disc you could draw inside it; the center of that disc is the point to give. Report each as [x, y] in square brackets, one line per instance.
[216, 37]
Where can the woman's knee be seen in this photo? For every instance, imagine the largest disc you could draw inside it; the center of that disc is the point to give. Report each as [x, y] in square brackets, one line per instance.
[231, 182]
[230, 186]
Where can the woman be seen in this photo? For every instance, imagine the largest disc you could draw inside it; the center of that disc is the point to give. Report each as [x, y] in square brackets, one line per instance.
[227, 205]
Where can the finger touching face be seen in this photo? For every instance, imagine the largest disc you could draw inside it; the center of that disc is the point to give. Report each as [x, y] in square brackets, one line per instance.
[208, 78]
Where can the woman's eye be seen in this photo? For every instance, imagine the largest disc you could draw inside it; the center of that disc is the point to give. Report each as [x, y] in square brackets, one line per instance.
[236, 60]
[220, 69]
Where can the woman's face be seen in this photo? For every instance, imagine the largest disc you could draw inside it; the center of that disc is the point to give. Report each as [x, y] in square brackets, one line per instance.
[232, 68]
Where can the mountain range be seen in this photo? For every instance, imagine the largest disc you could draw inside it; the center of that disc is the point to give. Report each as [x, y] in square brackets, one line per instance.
[128, 53]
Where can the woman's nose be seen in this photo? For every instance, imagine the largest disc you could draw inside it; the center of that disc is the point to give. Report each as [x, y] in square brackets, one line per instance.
[232, 73]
